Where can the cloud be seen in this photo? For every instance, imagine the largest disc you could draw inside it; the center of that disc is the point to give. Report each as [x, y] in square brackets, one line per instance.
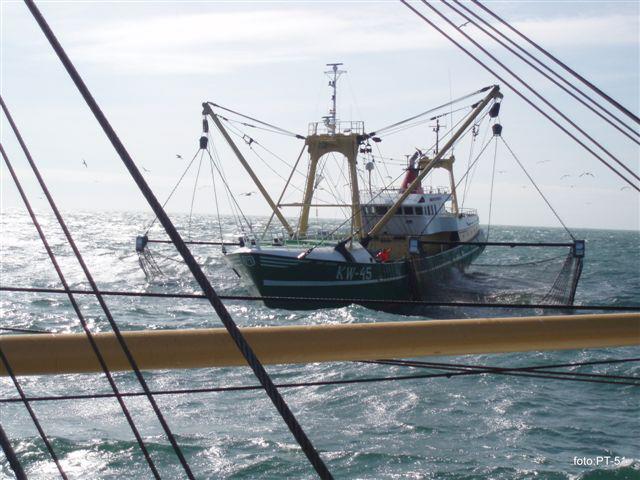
[215, 42]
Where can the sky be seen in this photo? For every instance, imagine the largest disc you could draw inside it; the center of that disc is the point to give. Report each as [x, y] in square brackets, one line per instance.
[151, 64]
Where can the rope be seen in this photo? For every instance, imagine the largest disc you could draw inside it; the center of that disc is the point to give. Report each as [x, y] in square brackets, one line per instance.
[197, 272]
[517, 92]
[34, 419]
[523, 264]
[542, 373]
[215, 198]
[284, 190]
[551, 71]
[62, 278]
[281, 130]
[534, 91]
[456, 186]
[193, 194]
[10, 453]
[464, 97]
[537, 188]
[453, 370]
[22, 330]
[618, 308]
[230, 198]
[562, 64]
[493, 176]
[173, 190]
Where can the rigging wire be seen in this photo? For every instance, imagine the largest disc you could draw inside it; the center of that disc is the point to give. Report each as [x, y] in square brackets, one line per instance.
[36, 422]
[422, 122]
[493, 177]
[232, 120]
[385, 189]
[215, 198]
[431, 110]
[173, 190]
[534, 91]
[552, 72]
[451, 370]
[10, 453]
[281, 130]
[328, 300]
[561, 64]
[537, 188]
[193, 195]
[234, 212]
[449, 195]
[284, 189]
[468, 185]
[522, 96]
[474, 135]
[542, 372]
[253, 361]
[237, 211]
[74, 304]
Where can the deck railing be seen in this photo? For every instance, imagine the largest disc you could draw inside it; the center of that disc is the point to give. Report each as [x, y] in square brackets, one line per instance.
[343, 128]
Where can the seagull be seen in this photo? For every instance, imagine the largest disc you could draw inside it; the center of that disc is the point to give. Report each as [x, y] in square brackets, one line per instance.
[247, 194]
[84, 162]
[589, 174]
[543, 161]
[178, 156]
[571, 186]
[565, 176]
[626, 187]
[502, 171]
[145, 169]
[464, 24]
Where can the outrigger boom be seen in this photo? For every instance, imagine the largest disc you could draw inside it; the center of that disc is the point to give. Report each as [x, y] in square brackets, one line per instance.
[493, 94]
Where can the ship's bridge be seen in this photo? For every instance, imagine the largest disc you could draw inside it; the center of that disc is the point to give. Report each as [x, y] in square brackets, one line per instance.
[420, 213]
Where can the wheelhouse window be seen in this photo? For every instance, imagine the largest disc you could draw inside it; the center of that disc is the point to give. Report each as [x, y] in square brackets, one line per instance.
[380, 210]
[407, 210]
[419, 211]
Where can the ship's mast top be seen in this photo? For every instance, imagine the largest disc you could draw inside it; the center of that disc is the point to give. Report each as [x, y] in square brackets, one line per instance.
[330, 120]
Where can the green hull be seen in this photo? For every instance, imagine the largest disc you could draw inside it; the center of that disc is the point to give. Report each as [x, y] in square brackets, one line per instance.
[270, 275]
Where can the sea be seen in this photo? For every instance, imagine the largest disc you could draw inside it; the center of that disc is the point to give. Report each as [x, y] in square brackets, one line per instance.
[458, 428]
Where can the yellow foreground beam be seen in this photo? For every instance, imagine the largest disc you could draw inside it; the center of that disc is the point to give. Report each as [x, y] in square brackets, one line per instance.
[71, 353]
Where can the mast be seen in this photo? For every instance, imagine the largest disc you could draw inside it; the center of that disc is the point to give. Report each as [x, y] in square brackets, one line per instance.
[329, 136]
[334, 74]
[493, 93]
[208, 111]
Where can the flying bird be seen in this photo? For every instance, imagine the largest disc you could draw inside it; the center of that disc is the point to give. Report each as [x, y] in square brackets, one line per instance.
[145, 169]
[247, 194]
[543, 161]
[565, 176]
[502, 171]
[178, 156]
[588, 174]
[626, 187]
[84, 162]
[464, 24]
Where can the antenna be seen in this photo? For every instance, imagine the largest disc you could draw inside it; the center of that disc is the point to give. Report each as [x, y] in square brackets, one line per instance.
[334, 74]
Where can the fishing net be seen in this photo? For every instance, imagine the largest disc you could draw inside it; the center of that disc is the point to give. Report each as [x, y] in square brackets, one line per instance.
[522, 275]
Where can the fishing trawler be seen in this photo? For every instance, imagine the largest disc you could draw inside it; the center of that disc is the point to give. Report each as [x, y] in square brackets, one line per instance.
[403, 241]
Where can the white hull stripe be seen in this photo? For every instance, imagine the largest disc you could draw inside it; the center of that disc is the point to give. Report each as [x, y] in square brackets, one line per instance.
[327, 283]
